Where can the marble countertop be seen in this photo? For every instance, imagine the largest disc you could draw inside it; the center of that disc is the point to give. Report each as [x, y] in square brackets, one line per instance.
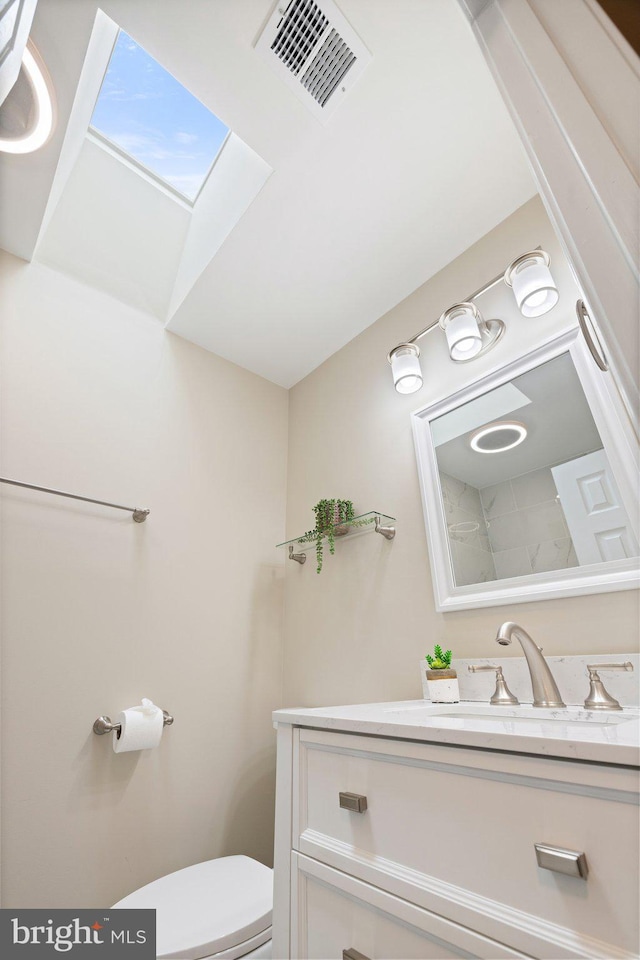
[572, 733]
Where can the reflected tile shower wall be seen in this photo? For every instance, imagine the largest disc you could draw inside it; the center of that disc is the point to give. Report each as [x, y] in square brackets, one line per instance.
[509, 529]
[468, 535]
[526, 526]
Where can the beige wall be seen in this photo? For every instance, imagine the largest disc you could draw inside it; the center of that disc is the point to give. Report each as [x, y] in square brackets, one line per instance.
[99, 611]
[357, 631]
[188, 608]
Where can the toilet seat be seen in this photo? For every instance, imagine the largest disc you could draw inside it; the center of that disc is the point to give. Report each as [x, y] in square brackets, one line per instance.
[216, 907]
[248, 948]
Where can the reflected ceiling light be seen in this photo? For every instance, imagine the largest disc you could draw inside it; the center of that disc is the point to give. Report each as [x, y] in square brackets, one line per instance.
[41, 125]
[405, 367]
[498, 437]
[533, 286]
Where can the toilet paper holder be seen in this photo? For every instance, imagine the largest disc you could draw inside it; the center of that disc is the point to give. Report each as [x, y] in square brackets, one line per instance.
[104, 725]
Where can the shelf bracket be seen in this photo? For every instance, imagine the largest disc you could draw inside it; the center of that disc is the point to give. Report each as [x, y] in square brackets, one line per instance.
[387, 532]
[298, 557]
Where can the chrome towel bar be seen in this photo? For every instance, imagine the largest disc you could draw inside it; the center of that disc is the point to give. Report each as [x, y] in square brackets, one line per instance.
[138, 515]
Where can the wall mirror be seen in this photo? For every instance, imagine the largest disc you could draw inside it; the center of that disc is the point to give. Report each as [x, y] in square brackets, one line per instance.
[529, 483]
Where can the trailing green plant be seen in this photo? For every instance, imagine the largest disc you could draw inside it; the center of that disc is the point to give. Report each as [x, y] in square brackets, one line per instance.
[440, 660]
[329, 515]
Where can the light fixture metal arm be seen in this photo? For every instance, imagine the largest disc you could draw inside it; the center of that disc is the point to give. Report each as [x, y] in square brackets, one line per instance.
[472, 296]
[436, 325]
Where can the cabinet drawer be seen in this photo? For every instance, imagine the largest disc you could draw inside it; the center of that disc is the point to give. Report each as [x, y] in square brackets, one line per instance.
[453, 830]
[336, 913]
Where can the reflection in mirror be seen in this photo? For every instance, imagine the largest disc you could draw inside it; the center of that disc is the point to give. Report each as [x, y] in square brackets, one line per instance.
[526, 484]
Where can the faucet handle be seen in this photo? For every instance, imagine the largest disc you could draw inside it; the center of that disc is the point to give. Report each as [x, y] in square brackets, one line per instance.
[594, 667]
[502, 696]
[599, 698]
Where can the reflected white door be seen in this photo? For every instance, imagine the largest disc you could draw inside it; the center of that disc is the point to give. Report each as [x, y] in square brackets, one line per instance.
[598, 522]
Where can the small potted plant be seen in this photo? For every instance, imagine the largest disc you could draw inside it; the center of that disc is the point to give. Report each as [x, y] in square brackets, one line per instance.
[442, 681]
[332, 520]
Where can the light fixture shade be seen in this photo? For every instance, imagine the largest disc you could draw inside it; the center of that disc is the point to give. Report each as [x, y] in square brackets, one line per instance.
[405, 367]
[533, 285]
[461, 324]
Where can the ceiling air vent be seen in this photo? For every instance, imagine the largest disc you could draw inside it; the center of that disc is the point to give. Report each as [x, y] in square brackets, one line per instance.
[315, 51]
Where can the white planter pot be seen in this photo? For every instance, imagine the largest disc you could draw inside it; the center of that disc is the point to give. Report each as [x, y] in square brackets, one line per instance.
[442, 686]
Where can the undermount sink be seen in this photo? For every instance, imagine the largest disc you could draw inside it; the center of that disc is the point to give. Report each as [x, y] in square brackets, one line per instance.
[523, 714]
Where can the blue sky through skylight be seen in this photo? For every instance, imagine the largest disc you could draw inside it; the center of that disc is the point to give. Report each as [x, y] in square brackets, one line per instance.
[144, 111]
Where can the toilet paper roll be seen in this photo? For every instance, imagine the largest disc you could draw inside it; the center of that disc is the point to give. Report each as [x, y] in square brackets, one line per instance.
[140, 728]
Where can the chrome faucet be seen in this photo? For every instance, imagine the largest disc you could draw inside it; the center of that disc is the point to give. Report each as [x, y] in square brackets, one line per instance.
[545, 691]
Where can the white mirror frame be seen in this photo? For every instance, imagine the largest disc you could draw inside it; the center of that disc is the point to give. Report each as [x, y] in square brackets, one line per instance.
[620, 443]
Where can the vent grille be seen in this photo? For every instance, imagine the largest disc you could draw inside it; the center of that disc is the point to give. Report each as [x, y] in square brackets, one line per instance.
[315, 51]
[302, 27]
[328, 68]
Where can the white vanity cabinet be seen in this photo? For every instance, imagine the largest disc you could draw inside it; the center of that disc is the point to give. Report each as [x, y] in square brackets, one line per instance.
[439, 859]
[333, 909]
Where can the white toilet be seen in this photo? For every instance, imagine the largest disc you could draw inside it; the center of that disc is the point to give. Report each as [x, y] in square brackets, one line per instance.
[220, 908]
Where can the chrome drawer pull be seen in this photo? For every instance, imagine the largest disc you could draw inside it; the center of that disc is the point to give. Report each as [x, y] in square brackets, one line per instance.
[352, 954]
[570, 862]
[355, 802]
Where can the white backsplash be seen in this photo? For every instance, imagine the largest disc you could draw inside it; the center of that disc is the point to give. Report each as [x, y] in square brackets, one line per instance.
[570, 674]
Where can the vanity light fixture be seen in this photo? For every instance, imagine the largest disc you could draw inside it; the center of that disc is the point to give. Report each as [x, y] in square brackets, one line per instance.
[468, 334]
[405, 367]
[498, 437]
[461, 324]
[532, 284]
[41, 124]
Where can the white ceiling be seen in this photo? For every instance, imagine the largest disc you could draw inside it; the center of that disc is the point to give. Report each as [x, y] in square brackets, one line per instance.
[418, 162]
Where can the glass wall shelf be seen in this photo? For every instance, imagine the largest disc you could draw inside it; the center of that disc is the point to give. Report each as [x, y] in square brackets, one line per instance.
[371, 522]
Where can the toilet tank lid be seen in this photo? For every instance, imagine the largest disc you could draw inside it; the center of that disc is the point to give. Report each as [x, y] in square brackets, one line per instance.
[208, 907]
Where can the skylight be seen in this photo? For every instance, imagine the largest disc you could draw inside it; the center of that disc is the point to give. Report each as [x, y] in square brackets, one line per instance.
[153, 120]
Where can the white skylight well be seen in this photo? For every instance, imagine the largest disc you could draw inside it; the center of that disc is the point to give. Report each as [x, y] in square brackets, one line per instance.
[148, 117]
[134, 138]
